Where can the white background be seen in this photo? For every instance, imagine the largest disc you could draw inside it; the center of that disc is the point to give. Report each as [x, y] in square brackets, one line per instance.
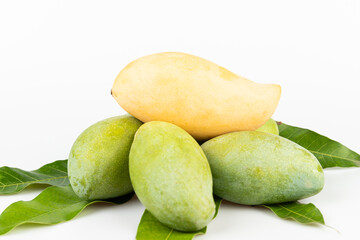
[58, 60]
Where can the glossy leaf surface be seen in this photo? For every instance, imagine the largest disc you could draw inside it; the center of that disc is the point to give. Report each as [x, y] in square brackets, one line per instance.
[53, 205]
[303, 213]
[13, 180]
[330, 153]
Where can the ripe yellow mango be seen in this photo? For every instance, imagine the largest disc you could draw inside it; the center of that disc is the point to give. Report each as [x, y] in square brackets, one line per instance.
[197, 95]
[171, 176]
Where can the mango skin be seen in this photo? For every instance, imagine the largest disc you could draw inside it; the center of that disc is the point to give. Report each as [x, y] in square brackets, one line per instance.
[269, 127]
[253, 168]
[98, 164]
[195, 94]
[171, 176]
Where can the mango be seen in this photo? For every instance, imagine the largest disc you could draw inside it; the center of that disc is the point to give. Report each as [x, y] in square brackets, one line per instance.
[253, 167]
[171, 176]
[197, 95]
[270, 127]
[98, 164]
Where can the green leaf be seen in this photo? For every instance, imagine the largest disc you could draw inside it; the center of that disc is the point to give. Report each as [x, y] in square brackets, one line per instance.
[329, 152]
[53, 205]
[151, 229]
[218, 201]
[302, 213]
[13, 180]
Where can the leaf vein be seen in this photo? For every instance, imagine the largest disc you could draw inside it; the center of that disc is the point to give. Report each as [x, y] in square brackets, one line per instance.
[167, 237]
[297, 213]
[13, 176]
[38, 180]
[329, 155]
[56, 169]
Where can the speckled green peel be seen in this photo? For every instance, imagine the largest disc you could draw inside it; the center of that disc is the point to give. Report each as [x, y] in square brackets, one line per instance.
[98, 164]
[171, 176]
[269, 127]
[253, 167]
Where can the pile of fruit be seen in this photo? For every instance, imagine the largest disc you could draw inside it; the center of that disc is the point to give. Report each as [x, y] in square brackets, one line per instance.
[197, 134]
[184, 101]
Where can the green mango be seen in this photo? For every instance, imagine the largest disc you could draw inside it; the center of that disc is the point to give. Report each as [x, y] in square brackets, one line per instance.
[269, 127]
[171, 176]
[254, 167]
[98, 164]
